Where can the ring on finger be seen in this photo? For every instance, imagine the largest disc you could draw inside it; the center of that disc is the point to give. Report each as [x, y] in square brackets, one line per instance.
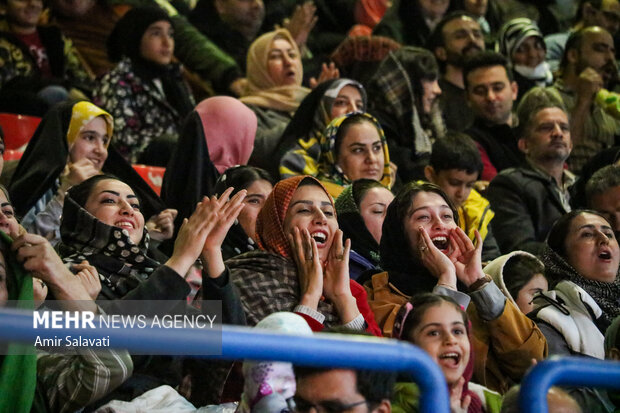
[423, 248]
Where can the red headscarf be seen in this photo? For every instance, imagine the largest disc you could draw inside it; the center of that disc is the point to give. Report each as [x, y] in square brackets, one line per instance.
[270, 234]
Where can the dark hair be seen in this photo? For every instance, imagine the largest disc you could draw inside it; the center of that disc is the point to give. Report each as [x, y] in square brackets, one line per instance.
[80, 192]
[485, 59]
[456, 151]
[240, 177]
[604, 179]
[519, 270]
[360, 188]
[419, 304]
[436, 38]
[556, 240]
[597, 4]
[535, 100]
[575, 40]
[354, 119]
[405, 197]
[374, 385]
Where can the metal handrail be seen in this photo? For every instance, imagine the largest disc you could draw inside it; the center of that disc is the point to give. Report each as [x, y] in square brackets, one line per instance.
[324, 350]
[565, 371]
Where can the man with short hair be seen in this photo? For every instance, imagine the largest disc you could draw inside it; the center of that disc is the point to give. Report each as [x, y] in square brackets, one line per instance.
[527, 200]
[457, 36]
[587, 66]
[603, 194]
[339, 390]
[602, 13]
[231, 24]
[491, 92]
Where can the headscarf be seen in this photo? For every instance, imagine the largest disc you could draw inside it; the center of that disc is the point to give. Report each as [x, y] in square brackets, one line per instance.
[353, 227]
[314, 114]
[512, 34]
[219, 134]
[18, 368]
[328, 167]
[496, 270]
[82, 113]
[268, 384]
[393, 96]
[125, 41]
[606, 295]
[261, 89]
[47, 153]
[229, 129]
[122, 264]
[270, 221]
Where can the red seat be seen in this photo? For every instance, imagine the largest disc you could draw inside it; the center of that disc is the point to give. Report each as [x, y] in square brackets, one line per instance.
[153, 175]
[18, 129]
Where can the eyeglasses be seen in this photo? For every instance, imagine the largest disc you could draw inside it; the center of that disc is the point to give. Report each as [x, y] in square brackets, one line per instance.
[300, 405]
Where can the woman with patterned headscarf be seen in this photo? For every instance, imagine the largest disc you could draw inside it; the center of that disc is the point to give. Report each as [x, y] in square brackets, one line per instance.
[70, 145]
[353, 147]
[521, 41]
[302, 262]
[300, 148]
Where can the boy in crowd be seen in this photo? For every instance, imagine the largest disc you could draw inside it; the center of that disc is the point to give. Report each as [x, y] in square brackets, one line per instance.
[455, 166]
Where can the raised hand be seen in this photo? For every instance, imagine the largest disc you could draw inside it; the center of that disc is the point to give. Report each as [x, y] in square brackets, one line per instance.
[467, 258]
[161, 226]
[456, 404]
[301, 22]
[336, 283]
[89, 277]
[76, 173]
[309, 269]
[328, 72]
[438, 263]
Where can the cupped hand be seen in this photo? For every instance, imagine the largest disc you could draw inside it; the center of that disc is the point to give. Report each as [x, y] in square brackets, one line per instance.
[309, 269]
[438, 263]
[336, 283]
[467, 258]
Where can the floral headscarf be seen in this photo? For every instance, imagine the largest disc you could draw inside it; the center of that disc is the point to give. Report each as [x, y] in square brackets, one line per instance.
[82, 113]
[261, 89]
[270, 221]
[328, 167]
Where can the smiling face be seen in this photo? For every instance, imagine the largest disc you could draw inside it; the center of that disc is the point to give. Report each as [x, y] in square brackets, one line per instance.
[490, 93]
[283, 63]
[349, 100]
[592, 248]
[311, 209]
[530, 53]
[373, 208]
[114, 203]
[430, 211]
[91, 143]
[360, 153]
[254, 201]
[157, 44]
[8, 222]
[442, 333]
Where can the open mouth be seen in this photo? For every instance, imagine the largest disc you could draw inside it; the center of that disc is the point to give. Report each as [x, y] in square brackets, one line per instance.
[605, 255]
[319, 237]
[450, 359]
[441, 243]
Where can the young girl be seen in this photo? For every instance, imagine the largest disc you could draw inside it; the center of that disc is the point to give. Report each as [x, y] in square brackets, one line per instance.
[438, 325]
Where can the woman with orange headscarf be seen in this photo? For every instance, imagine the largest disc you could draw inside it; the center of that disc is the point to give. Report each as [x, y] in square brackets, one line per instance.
[303, 262]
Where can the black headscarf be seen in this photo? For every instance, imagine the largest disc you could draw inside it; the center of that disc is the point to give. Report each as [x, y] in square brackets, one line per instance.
[46, 157]
[125, 40]
[353, 227]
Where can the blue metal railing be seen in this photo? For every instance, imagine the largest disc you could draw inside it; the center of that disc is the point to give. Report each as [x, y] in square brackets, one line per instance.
[246, 343]
[565, 371]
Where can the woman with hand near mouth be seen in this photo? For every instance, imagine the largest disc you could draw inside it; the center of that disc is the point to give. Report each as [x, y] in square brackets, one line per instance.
[353, 147]
[70, 145]
[423, 250]
[439, 326]
[145, 92]
[303, 262]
